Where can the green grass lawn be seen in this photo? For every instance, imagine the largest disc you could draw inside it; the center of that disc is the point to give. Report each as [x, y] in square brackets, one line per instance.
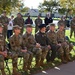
[33, 62]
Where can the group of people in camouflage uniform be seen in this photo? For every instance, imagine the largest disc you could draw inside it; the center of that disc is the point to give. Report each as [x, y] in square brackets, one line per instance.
[44, 45]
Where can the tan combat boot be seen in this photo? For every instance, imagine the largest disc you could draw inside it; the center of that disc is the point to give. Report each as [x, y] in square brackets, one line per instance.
[15, 72]
[68, 58]
[29, 67]
[37, 63]
[24, 67]
[41, 62]
[63, 60]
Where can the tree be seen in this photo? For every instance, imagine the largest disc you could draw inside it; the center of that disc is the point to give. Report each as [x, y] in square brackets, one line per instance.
[62, 10]
[9, 4]
[69, 5]
[25, 9]
[41, 8]
[49, 5]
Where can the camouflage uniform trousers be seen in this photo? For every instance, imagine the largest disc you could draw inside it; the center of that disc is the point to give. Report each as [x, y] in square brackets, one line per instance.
[14, 56]
[1, 62]
[65, 47]
[71, 32]
[30, 58]
[2, 65]
[60, 51]
[45, 50]
[5, 31]
[38, 55]
[36, 29]
[64, 50]
[70, 46]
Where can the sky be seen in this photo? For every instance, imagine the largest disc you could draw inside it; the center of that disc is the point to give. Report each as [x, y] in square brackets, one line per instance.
[32, 3]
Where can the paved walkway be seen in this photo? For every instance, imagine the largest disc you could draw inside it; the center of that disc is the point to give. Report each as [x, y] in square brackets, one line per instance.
[65, 69]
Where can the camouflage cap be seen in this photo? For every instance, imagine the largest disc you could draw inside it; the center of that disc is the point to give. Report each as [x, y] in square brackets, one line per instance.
[17, 27]
[52, 24]
[1, 25]
[29, 25]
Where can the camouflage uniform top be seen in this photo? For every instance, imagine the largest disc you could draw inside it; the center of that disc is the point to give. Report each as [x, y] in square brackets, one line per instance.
[72, 23]
[3, 46]
[60, 36]
[15, 42]
[52, 36]
[38, 22]
[19, 21]
[28, 41]
[4, 20]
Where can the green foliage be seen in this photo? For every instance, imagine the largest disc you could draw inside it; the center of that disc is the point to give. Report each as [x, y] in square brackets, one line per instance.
[62, 10]
[49, 5]
[9, 4]
[69, 5]
[25, 9]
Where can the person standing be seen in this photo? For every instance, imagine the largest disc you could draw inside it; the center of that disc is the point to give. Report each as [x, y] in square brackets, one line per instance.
[10, 27]
[48, 19]
[12, 17]
[64, 21]
[19, 21]
[72, 25]
[38, 21]
[28, 20]
[5, 21]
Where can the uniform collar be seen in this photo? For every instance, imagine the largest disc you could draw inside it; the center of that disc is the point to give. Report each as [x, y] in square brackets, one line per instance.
[28, 34]
[52, 31]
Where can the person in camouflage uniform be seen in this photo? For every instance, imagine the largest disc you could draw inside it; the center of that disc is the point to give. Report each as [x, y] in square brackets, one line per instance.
[32, 46]
[65, 46]
[16, 43]
[43, 41]
[4, 20]
[3, 50]
[62, 21]
[72, 25]
[55, 47]
[19, 21]
[38, 21]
